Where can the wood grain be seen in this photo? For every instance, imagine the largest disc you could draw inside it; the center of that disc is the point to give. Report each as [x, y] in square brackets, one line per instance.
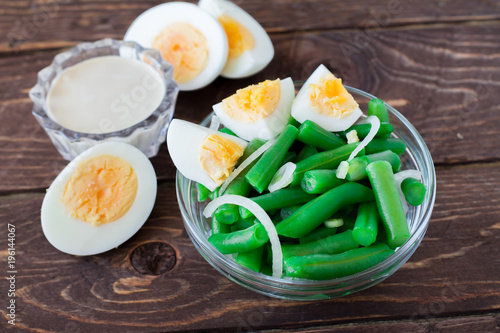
[443, 79]
[36, 25]
[452, 272]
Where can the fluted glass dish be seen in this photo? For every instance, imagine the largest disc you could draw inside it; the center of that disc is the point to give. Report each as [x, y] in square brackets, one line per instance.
[147, 135]
[416, 156]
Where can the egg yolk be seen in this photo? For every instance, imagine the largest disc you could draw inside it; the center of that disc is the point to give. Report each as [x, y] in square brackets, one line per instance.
[101, 190]
[183, 46]
[254, 102]
[330, 98]
[218, 156]
[238, 36]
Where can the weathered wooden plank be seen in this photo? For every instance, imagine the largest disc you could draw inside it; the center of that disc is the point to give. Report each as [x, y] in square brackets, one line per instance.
[452, 273]
[34, 25]
[443, 79]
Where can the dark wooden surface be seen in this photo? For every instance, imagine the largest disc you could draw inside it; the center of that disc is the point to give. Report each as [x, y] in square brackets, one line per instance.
[438, 62]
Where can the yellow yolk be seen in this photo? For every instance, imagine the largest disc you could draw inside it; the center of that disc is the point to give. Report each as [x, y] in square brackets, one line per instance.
[330, 98]
[218, 156]
[101, 190]
[238, 36]
[183, 46]
[254, 102]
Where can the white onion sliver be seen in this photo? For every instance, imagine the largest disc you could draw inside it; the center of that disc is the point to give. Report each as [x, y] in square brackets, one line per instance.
[214, 123]
[373, 131]
[334, 223]
[263, 218]
[245, 163]
[283, 177]
[399, 177]
[342, 170]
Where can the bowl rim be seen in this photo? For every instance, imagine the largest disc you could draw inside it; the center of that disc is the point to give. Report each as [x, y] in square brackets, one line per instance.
[384, 268]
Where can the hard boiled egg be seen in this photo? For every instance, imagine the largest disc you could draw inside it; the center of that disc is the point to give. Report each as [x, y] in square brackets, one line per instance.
[188, 38]
[201, 154]
[324, 100]
[99, 200]
[250, 48]
[258, 111]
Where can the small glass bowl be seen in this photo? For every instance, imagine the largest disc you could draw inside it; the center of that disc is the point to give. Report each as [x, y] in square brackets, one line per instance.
[146, 135]
[417, 157]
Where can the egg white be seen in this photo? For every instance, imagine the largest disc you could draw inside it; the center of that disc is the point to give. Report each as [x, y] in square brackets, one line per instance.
[266, 128]
[77, 237]
[253, 60]
[184, 140]
[149, 24]
[302, 109]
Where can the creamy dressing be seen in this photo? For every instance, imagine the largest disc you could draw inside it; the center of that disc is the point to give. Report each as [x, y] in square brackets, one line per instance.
[104, 94]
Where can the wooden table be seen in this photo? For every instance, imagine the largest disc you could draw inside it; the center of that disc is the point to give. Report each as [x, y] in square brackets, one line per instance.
[437, 61]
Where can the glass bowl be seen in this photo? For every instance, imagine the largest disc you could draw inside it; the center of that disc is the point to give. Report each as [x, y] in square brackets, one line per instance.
[147, 135]
[416, 156]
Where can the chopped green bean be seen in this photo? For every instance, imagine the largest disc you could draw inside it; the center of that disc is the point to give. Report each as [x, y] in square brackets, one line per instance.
[325, 160]
[287, 211]
[377, 145]
[329, 245]
[366, 225]
[414, 191]
[261, 174]
[357, 166]
[389, 203]
[320, 181]
[312, 134]
[240, 241]
[227, 131]
[242, 224]
[203, 192]
[219, 228]
[376, 107]
[251, 259]
[318, 210]
[332, 266]
[306, 152]
[318, 233]
[362, 130]
[348, 223]
[278, 199]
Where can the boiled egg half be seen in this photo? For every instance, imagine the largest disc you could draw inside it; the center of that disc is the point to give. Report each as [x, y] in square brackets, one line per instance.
[99, 200]
[324, 100]
[201, 154]
[250, 48]
[189, 38]
[258, 111]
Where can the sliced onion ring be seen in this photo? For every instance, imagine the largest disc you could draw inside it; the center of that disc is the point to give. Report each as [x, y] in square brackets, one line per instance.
[283, 177]
[245, 163]
[399, 177]
[373, 131]
[262, 216]
[214, 123]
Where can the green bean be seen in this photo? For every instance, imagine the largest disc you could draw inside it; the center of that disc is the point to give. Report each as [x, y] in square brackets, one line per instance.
[389, 203]
[243, 224]
[203, 192]
[240, 241]
[229, 213]
[227, 131]
[318, 210]
[260, 175]
[333, 244]
[366, 225]
[306, 152]
[320, 181]
[377, 145]
[325, 160]
[312, 134]
[294, 122]
[362, 130]
[287, 211]
[251, 259]
[376, 107]
[413, 190]
[219, 228]
[278, 199]
[357, 166]
[332, 266]
[318, 233]
[349, 222]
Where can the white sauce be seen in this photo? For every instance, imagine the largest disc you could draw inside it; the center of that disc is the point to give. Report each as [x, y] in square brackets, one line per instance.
[104, 94]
